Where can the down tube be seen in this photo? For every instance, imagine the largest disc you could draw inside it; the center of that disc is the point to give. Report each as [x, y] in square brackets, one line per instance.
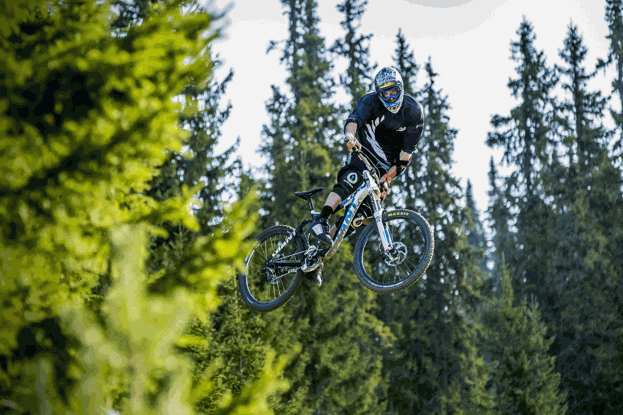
[348, 218]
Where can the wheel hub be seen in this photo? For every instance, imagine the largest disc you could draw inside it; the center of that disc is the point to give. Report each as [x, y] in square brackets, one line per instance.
[396, 255]
[271, 276]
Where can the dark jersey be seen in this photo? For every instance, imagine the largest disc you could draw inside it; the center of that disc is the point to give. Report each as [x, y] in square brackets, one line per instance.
[386, 134]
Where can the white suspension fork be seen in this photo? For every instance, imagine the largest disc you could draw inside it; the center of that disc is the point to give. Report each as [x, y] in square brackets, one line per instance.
[378, 212]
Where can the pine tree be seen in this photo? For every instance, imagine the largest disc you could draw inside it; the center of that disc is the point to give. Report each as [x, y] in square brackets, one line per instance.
[339, 363]
[524, 135]
[499, 217]
[525, 379]
[583, 113]
[475, 229]
[101, 112]
[614, 18]
[428, 371]
[406, 64]
[196, 164]
[405, 195]
[354, 47]
[215, 175]
[299, 140]
[585, 231]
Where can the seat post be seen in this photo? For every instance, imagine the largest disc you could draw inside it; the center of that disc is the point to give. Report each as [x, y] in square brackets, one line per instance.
[311, 204]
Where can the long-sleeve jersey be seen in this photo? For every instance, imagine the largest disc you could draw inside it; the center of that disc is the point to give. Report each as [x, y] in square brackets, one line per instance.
[384, 133]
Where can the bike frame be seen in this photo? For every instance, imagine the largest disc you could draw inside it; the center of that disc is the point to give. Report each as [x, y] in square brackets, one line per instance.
[368, 188]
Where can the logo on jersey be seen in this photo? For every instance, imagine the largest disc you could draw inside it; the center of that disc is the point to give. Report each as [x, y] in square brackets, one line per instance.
[402, 129]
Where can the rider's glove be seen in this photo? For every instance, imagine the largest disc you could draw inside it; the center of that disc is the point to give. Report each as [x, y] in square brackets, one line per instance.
[385, 180]
[351, 141]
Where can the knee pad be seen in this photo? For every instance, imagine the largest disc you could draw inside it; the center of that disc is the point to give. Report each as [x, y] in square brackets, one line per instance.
[347, 182]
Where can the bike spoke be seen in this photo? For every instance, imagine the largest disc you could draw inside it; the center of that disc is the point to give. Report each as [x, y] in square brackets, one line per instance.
[408, 241]
[267, 280]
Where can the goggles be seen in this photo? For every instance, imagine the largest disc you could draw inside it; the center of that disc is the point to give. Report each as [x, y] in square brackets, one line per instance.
[390, 93]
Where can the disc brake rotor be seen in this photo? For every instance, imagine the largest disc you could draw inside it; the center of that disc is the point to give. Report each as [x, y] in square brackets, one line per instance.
[397, 256]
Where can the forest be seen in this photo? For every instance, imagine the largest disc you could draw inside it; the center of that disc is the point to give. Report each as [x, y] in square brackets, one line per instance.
[123, 230]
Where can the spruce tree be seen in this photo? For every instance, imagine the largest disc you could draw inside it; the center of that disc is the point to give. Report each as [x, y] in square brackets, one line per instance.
[500, 220]
[586, 231]
[475, 229]
[357, 81]
[303, 122]
[406, 64]
[525, 379]
[524, 135]
[354, 47]
[404, 194]
[227, 336]
[583, 112]
[339, 362]
[101, 111]
[614, 18]
[428, 370]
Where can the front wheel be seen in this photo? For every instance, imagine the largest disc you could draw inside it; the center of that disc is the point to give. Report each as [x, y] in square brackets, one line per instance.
[413, 249]
[273, 269]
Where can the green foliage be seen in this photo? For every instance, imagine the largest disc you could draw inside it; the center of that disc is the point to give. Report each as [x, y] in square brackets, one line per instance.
[339, 367]
[523, 134]
[405, 63]
[525, 379]
[358, 77]
[614, 18]
[559, 227]
[475, 230]
[585, 204]
[101, 120]
[406, 195]
[500, 219]
[118, 253]
[90, 117]
[435, 365]
[300, 136]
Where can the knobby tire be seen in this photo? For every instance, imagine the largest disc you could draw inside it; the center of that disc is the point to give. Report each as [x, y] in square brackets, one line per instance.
[412, 233]
[254, 284]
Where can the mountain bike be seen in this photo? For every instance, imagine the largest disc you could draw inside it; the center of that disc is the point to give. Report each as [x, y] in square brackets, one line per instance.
[392, 252]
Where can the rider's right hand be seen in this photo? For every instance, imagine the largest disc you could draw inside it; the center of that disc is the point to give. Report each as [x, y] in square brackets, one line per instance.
[352, 142]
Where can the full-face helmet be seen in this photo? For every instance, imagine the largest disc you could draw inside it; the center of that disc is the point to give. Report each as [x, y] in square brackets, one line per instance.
[389, 88]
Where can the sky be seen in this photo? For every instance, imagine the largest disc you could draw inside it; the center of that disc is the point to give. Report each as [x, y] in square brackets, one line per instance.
[468, 42]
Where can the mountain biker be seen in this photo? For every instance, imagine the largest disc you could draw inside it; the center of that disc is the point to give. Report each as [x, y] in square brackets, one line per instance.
[388, 123]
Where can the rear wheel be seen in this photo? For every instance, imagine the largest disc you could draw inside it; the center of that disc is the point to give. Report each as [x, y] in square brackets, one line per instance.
[386, 272]
[272, 279]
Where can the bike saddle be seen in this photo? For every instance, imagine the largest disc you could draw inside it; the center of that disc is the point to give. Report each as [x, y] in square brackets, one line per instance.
[308, 194]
